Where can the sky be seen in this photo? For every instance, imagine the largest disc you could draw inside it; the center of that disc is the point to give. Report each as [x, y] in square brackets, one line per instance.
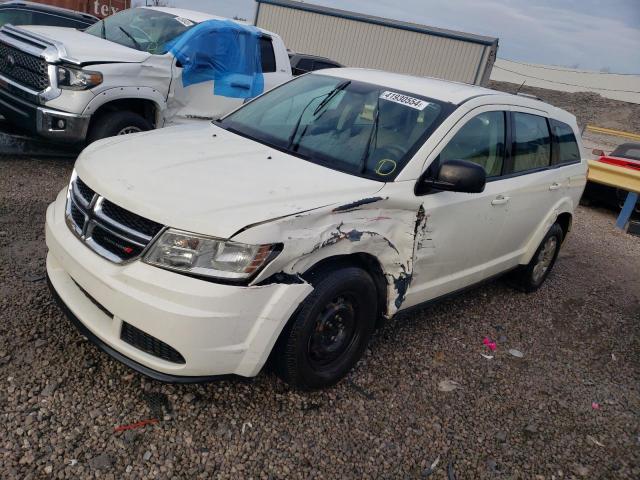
[585, 34]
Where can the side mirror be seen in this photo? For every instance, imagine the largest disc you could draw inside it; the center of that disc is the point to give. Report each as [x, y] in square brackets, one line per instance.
[454, 176]
[597, 152]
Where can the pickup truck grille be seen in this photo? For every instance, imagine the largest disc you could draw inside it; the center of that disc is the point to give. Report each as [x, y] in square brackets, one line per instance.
[111, 231]
[23, 68]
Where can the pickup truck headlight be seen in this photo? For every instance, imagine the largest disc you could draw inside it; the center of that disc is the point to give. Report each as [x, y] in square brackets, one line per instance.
[208, 257]
[75, 79]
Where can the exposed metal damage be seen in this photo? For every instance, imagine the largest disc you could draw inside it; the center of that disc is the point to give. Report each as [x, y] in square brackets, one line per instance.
[388, 231]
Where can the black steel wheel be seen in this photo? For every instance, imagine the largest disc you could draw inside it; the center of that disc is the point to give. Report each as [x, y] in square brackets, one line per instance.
[330, 331]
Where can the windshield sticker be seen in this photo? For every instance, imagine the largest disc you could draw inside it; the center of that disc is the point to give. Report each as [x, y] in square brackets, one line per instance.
[404, 100]
[185, 21]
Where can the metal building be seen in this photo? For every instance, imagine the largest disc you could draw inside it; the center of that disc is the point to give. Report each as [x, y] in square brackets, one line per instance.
[358, 40]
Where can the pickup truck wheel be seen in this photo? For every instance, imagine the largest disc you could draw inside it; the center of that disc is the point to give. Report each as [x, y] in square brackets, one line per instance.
[329, 332]
[117, 123]
[529, 278]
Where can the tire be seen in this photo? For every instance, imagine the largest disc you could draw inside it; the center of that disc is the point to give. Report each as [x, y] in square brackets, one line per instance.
[117, 123]
[530, 277]
[330, 330]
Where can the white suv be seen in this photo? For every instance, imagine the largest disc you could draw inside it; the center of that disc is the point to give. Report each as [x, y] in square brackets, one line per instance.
[288, 228]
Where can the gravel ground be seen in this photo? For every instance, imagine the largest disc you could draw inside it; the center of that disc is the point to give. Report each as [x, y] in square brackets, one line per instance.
[532, 417]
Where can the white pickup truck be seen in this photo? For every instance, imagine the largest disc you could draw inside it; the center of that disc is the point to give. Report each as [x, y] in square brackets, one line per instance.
[122, 75]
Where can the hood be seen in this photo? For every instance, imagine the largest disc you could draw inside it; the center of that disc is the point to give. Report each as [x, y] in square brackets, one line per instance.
[206, 180]
[83, 47]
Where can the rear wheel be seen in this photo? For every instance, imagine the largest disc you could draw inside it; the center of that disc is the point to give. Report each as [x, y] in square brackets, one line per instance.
[117, 123]
[530, 277]
[330, 331]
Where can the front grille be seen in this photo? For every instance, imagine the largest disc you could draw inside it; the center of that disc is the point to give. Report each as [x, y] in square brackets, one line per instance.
[130, 220]
[149, 344]
[85, 192]
[119, 247]
[23, 67]
[111, 231]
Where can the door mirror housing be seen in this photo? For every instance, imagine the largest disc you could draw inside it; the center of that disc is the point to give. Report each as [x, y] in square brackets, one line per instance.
[453, 176]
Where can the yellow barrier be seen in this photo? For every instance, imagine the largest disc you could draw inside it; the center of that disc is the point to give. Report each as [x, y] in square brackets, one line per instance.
[617, 133]
[624, 178]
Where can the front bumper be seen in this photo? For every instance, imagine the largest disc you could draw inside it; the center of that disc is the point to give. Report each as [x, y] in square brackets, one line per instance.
[20, 108]
[217, 329]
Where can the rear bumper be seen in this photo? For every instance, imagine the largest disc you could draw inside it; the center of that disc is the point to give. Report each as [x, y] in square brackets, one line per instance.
[217, 329]
[19, 108]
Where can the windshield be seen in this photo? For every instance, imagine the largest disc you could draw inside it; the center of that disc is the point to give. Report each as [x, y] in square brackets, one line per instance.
[141, 28]
[356, 127]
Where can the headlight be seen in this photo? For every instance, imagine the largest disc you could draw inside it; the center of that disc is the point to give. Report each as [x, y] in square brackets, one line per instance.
[74, 79]
[208, 257]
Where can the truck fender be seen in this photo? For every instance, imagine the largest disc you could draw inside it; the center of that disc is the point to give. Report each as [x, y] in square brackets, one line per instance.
[120, 93]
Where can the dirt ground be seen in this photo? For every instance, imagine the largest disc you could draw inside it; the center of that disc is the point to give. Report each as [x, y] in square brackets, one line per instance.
[589, 108]
[570, 408]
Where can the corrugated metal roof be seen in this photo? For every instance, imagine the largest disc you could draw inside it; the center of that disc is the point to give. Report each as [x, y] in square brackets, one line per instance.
[361, 17]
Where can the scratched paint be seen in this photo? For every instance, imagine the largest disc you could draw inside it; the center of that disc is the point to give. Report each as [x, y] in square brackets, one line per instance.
[389, 230]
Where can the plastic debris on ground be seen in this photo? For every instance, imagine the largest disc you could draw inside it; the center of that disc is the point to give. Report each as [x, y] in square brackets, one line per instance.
[488, 357]
[223, 51]
[133, 426]
[595, 405]
[516, 353]
[491, 345]
[246, 425]
[448, 385]
[431, 468]
[595, 441]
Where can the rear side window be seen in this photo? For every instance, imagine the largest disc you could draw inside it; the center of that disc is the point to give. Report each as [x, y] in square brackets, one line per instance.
[531, 142]
[41, 18]
[304, 65]
[481, 140]
[267, 54]
[567, 150]
[320, 65]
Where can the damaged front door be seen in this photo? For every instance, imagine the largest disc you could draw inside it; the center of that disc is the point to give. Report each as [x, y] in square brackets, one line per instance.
[217, 67]
[459, 240]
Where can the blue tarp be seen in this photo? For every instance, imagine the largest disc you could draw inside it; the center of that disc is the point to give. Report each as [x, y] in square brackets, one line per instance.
[223, 51]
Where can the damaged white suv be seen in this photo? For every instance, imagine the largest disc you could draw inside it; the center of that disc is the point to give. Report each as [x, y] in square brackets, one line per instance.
[285, 230]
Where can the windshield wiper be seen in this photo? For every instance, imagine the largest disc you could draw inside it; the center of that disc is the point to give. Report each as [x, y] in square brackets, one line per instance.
[329, 95]
[135, 42]
[373, 137]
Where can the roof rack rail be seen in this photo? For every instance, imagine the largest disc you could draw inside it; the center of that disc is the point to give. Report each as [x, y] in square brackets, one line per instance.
[528, 95]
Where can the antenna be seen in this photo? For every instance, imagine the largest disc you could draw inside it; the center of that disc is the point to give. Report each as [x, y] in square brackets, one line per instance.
[521, 85]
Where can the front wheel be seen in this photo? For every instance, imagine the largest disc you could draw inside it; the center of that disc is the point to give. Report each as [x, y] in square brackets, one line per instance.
[117, 123]
[330, 331]
[530, 277]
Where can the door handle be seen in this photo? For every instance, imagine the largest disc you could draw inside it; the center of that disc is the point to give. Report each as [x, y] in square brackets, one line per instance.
[500, 200]
[554, 186]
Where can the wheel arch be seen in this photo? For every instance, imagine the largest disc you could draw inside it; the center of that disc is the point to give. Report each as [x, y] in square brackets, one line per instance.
[145, 101]
[367, 262]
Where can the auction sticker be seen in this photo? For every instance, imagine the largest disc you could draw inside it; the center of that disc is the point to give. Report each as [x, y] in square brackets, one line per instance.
[184, 21]
[404, 100]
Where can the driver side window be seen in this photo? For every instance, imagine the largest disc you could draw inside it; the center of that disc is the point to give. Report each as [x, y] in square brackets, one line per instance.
[481, 140]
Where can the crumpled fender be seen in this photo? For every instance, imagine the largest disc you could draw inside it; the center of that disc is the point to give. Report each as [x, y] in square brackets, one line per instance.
[383, 228]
